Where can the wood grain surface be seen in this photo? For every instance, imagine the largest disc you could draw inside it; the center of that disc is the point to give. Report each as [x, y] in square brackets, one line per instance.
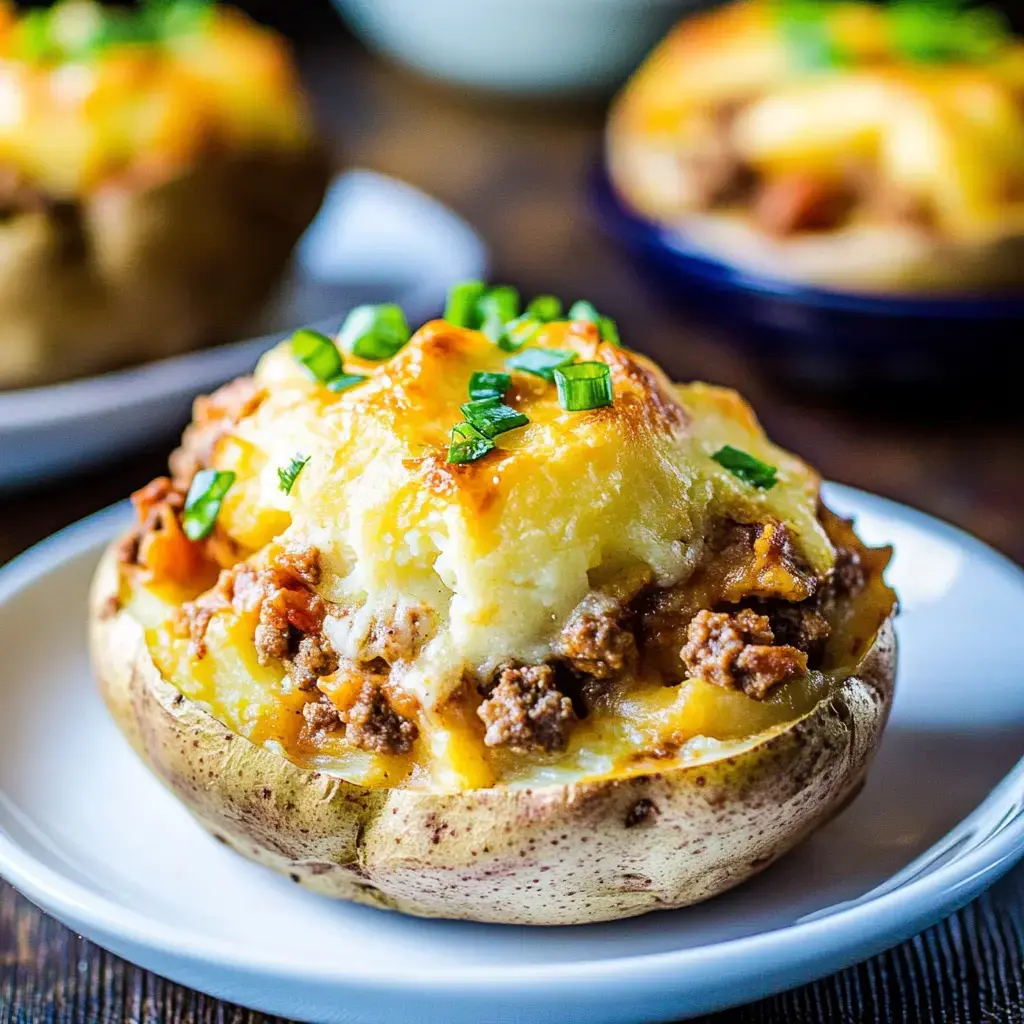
[516, 173]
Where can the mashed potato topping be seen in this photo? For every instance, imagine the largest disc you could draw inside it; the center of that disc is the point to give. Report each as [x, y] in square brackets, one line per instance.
[500, 550]
[387, 613]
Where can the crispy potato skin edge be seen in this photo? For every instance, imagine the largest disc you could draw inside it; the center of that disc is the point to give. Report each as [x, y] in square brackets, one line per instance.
[559, 855]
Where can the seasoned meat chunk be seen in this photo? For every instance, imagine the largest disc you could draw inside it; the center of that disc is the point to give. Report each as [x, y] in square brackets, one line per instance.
[321, 715]
[371, 723]
[798, 625]
[736, 651]
[525, 710]
[291, 614]
[595, 643]
[314, 658]
[802, 202]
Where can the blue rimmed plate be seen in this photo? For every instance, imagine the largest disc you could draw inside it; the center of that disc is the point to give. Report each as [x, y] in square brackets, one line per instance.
[828, 338]
[90, 835]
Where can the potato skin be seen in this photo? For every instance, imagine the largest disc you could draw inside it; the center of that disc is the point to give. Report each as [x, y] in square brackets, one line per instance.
[143, 271]
[570, 854]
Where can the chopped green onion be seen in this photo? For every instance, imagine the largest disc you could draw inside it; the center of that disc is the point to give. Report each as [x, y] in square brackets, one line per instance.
[583, 310]
[344, 381]
[609, 330]
[493, 328]
[545, 308]
[489, 385]
[460, 309]
[203, 501]
[501, 301]
[286, 477]
[178, 17]
[374, 332]
[807, 30]
[518, 332]
[584, 386]
[587, 311]
[541, 362]
[492, 417]
[467, 444]
[318, 354]
[749, 469]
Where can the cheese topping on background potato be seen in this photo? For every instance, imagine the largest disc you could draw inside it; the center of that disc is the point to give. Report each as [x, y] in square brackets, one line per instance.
[842, 113]
[88, 95]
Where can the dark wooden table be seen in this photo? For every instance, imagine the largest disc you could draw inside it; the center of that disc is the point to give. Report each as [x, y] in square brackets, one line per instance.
[516, 173]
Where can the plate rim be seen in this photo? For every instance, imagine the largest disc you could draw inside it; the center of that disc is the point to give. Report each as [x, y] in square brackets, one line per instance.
[839, 937]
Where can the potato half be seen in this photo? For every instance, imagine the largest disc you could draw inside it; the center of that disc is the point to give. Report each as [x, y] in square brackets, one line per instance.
[151, 193]
[671, 784]
[876, 171]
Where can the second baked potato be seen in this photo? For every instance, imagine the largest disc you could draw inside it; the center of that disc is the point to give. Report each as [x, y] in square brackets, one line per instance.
[156, 170]
[865, 147]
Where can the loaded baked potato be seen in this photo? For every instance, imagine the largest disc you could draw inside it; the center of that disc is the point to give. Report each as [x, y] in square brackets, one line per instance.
[845, 144]
[494, 623]
[156, 168]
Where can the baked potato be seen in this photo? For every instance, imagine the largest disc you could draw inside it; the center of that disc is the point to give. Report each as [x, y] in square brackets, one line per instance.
[494, 623]
[156, 169]
[850, 145]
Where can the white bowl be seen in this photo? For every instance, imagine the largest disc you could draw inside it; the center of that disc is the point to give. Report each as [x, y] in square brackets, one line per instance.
[517, 46]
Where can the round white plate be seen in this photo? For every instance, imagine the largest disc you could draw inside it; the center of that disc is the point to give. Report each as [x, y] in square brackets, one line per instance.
[90, 836]
[375, 239]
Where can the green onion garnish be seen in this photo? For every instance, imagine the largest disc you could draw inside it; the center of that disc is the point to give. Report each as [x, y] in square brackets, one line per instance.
[583, 310]
[493, 328]
[584, 386]
[460, 309]
[518, 332]
[489, 385]
[545, 308]
[467, 444]
[345, 381]
[286, 477]
[374, 332]
[202, 503]
[317, 353]
[609, 330]
[743, 465]
[501, 302]
[541, 362]
[492, 417]
[76, 31]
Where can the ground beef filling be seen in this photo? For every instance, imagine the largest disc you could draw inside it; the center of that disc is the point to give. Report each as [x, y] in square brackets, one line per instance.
[738, 652]
[371, 723]
[290, 630]
[524, 710]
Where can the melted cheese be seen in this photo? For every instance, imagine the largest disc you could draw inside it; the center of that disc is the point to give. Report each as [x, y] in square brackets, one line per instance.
[500, 551]
[146, 110]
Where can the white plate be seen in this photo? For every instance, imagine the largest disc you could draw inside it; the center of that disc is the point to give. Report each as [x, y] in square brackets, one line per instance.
[90, 836]
[375, 239]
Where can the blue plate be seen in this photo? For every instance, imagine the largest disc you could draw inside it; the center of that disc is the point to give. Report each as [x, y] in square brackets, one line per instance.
[813, 335]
